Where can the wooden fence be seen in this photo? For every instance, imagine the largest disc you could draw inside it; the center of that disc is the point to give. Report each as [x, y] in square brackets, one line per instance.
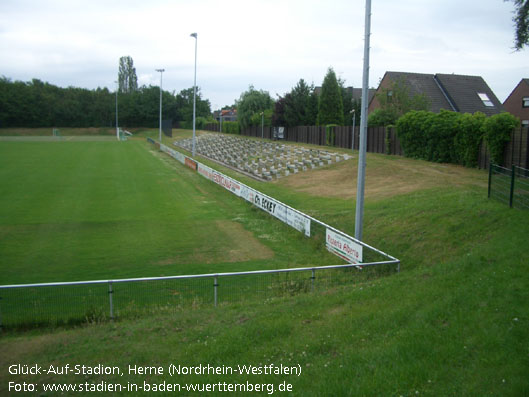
[516, 151]
[379, 139]
[384, 140]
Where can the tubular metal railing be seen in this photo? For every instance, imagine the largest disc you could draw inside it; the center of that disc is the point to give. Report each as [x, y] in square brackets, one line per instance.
[64, 302]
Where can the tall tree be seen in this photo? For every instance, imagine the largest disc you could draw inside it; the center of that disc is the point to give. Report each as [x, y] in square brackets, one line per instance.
[251, 102]
[278, 118]
[330, 107]
[296, 104]
[128, 81]
[347, 101]
[312, 108]
[521, 23]
[184, 105]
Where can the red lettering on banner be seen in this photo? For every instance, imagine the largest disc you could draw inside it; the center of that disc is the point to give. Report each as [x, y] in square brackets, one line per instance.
[191, 164]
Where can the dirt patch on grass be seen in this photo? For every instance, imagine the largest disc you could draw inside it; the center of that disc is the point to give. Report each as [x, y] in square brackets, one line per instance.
[244, 245]
[386, 176]
[231, 243]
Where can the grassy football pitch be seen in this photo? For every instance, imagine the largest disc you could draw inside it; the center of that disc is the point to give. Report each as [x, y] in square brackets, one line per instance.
[74, 210]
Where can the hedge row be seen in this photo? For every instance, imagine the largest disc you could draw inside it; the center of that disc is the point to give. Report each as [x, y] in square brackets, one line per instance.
[231, 127]
[451, 137]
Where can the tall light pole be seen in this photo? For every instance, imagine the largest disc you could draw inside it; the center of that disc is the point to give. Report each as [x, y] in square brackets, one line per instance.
[117, 128]
[353, 134]
[262, 125]
[194, 94]
[161, 71]
[359, 216]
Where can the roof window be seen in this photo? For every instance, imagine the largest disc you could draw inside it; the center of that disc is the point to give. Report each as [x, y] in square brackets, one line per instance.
[485, 99]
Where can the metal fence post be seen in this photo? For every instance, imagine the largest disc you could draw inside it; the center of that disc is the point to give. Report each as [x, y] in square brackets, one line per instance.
[110, 293]
[0, 313]
[490, 178]
[215, 285]
[512, 187]
[312, 278]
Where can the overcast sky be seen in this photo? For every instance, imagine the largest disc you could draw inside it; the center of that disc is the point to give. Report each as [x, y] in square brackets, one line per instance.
[270, 44]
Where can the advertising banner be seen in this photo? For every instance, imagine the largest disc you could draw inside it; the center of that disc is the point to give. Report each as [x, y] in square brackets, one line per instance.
[191, 163]
[226, 182]
[345, 248]
[298, 222]
[270, 205]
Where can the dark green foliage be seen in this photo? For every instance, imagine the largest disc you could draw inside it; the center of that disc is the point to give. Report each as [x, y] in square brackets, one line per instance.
[521, 23]
[440, 137]
[231, 127]
[252, 102]
[278, 118]
[265, 118]
[312, 109]
[38, 104]
[452, 137]
[468, 138]
[127, 79]
[348, 104]
[497, 132]
[184, 107]
[410, 130]
[330, 107]
[296, 105]
[382, 117]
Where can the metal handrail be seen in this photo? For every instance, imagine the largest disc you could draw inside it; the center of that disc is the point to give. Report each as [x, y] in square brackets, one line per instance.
[189, 276]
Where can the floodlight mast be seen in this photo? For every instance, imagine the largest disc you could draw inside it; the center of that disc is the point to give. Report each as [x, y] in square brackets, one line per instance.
[161, 71]
[359, 216]
[194, 94]
[262, 125]
[117, 128]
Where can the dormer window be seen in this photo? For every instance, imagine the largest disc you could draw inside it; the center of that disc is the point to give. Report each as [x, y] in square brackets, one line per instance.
[485, 99]
[525, 102]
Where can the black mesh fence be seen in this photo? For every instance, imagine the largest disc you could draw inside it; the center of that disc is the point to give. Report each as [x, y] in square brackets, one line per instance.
[510, 186]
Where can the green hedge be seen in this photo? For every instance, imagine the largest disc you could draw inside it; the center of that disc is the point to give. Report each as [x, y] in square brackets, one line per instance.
[497, 130]
[451, 137]
[231, 127]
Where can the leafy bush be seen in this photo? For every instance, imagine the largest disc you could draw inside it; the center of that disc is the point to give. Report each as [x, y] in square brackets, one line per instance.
[410, 130]
[468, 138]
[231, 127]
[440, 134]
[453, 137]
[382, 117]
[497, 132]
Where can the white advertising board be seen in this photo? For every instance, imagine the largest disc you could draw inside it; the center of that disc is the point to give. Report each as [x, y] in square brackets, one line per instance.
[298, 222]
[345, 248]
[173, 153]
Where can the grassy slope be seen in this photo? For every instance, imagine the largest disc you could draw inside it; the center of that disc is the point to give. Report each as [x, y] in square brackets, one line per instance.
[454, 322]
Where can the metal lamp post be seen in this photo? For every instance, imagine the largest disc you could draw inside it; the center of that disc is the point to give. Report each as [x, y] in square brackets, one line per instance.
[353, 134]
[262, 125]
[194, 93]
[161, 71]
[359, 218]
[117, 128]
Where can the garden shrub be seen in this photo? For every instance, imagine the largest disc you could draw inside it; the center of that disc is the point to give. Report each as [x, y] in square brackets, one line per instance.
[454, 137]
[468, 138]
[231, 127]
[497, 132]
